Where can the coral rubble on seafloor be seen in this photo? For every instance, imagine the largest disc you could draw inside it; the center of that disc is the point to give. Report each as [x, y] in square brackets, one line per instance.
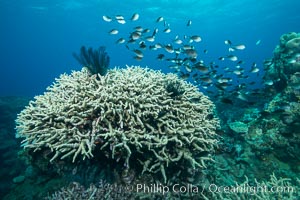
[132, 116]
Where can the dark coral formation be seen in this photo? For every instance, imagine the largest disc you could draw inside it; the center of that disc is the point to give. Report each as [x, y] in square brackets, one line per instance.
[175, 88]
[274, 133]
[11, 166]
[281, 120]
[264, 137]
[284, 64]
[95, 60]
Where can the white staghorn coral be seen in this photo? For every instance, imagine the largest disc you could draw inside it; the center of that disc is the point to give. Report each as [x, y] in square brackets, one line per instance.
[273, 188]
[157, 117]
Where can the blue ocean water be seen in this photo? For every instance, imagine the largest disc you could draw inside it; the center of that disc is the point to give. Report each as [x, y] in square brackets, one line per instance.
[38, 37]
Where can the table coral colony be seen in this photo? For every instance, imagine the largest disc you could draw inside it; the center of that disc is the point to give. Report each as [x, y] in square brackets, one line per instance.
[140, 118]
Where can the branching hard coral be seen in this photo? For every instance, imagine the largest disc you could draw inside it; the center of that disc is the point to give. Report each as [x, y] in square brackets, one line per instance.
[102, 190]
[96, 61]
[274, 188]
[128, 115]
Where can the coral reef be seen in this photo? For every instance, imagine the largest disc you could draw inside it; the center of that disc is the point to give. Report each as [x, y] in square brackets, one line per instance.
[11, 166]
[280, 120]
[128, 115]
[285, 63]
[174, 87]
[272, 188]
[293, 45]
[238, 127]
[102, 190]
[272, 139]
[107, 191]
[293, 88]
[139, 126]
[96, 61]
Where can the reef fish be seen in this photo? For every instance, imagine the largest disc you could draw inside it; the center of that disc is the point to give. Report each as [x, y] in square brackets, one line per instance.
[120, 41]
[159, 19]
[239, 47]
[135, 17]
[189, 23]
[228, 42]
[106, 18]
[113, 32]
[232, 57]
[196, 38]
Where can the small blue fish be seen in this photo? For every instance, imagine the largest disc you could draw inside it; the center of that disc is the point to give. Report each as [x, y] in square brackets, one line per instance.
[189, 23]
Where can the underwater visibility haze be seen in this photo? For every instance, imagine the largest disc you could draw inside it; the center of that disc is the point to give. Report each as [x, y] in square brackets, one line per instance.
[169, 98]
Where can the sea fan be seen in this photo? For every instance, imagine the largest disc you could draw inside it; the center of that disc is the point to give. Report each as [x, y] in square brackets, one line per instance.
[96, 61]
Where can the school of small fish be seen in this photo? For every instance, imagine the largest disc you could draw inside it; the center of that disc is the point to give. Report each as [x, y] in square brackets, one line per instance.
[183, 58]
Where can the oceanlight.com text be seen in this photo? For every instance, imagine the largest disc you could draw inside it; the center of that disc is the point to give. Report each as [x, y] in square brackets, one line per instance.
[249, 189]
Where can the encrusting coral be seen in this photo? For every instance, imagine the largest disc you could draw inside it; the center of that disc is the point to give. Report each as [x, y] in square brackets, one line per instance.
[293, 45]
[130, 115]
[238, 127]
[286, 61]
